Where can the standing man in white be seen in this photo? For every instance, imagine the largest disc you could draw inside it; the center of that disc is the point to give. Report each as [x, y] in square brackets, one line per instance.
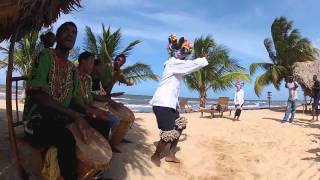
[165, 99]
[238, 99]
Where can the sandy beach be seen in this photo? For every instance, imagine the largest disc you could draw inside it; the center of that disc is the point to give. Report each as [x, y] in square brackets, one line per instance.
[257, 147]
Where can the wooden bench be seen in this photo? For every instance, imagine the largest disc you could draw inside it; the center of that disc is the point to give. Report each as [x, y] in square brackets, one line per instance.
[224, 106]
[184, 106]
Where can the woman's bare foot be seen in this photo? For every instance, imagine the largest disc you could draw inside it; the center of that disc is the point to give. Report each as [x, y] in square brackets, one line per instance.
[156, 160]
[172, 158]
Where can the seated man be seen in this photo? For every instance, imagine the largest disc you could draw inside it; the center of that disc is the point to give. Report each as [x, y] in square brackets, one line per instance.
[52, 89]
[105, 119]
[113, 74]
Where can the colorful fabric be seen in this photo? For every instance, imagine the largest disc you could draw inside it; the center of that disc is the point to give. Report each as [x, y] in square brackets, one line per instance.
[61, 83]
[51, 168]
[169, 122]
[179, 49]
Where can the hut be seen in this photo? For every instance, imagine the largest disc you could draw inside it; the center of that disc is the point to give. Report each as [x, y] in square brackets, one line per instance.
[17, 18]
[304, 71]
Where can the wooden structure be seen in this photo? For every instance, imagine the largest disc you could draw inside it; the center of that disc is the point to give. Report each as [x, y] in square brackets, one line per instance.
[17, 18]
[223, 102]
[184, 106]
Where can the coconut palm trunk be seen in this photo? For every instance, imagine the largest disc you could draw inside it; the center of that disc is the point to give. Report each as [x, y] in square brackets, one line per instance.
[203, 97]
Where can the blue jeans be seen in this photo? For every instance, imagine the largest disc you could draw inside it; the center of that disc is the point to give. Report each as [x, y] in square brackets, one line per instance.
[104, 127]
[113, 121]
[291, 109]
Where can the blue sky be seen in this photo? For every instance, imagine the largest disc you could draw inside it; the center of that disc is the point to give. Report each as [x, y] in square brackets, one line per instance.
[239, 25]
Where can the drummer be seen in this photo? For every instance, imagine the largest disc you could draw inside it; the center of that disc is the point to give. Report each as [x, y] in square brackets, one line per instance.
[105, 120]
[52, 88]
[112, 73]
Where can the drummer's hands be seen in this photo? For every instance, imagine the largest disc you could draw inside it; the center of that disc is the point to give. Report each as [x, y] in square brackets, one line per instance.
[82, 126]
[96, 113]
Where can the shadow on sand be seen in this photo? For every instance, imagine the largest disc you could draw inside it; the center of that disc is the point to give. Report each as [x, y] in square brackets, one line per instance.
[307, 123]
[133, 156]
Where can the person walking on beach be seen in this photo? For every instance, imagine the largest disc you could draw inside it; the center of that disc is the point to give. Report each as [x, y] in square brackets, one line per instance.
[165, 99]
[293, 96]
[316, 96]
[238, 99]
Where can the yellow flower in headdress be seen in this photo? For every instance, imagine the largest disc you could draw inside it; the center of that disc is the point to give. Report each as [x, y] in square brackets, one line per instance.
[173, 37]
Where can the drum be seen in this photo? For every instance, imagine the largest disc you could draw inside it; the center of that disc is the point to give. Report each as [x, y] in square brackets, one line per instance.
[94, 156]
[126, 118]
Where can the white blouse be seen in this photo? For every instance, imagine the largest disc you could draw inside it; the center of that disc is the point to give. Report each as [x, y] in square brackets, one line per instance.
[239, 97]
[168, 91]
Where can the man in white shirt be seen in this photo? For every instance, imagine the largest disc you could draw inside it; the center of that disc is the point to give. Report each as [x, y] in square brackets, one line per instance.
[238, 100]
[293, 96]
[165, 99]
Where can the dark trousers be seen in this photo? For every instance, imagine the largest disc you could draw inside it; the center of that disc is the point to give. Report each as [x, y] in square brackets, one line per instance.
[238, 112]
[48, 133]
[49, 129]
[104, 127]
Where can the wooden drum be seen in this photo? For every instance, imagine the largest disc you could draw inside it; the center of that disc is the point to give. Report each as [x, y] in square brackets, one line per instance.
[126, 118]
[93, 157]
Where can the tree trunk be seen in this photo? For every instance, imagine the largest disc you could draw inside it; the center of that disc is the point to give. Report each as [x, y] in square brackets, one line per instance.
[203, 98]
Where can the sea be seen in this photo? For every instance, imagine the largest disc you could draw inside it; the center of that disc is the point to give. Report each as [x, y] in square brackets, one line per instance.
[140, 103]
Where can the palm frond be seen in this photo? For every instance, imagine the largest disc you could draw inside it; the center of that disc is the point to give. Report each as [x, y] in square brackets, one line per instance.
[130, 47]
[139, 72]
[264, 66]
[90, 43]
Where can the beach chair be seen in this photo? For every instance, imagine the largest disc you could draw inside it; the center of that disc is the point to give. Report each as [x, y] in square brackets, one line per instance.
[223, 103]
[184, 106]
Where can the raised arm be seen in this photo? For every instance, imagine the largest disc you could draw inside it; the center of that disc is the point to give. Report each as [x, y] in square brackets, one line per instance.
[186, 67]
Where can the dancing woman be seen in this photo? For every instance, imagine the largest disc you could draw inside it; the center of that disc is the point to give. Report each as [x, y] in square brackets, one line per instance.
[165, 99]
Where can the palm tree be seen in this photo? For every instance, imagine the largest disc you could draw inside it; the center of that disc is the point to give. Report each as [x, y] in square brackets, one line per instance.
[24, 53]
[220, 74]
[107, 47]
[285, 48]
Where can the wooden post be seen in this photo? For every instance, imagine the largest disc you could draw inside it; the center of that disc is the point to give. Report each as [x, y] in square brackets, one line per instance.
[9, 99]
[13, 143]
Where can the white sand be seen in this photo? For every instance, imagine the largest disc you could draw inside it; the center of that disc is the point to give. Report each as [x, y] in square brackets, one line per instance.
[257, 147]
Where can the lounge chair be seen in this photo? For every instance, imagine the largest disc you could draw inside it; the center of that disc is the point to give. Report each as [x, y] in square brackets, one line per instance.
[223, 104]
[184, 106]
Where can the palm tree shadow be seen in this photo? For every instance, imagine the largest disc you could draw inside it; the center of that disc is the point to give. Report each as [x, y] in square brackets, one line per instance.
[133, 154]
[274, 119]
[314, 151]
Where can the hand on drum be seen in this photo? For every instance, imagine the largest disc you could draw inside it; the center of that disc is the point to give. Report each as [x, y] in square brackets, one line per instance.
[98, 114]
[82, 126]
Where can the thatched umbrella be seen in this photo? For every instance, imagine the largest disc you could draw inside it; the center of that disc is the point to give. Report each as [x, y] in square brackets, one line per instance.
[304, 71]
[17, 18]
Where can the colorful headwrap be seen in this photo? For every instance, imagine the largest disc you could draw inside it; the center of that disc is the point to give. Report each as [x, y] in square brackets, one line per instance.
[179, 49]
[240, 84]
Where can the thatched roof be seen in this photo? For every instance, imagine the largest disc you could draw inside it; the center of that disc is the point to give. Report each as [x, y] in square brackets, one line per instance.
[304, 71]
[22, 16]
